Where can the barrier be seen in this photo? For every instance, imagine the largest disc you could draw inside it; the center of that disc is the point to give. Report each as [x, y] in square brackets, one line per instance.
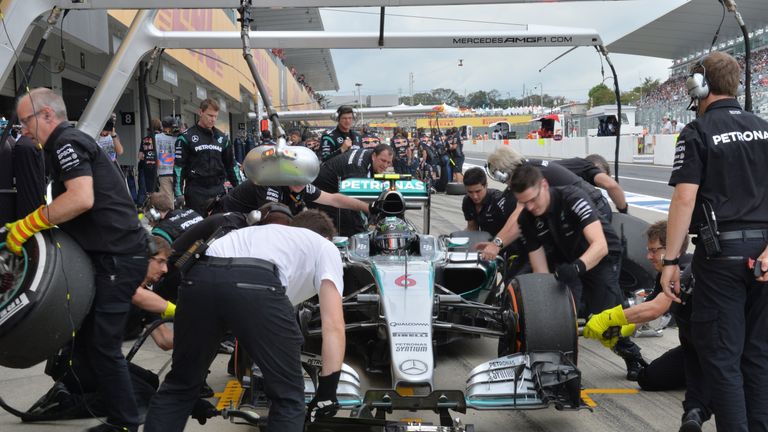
[664, 146]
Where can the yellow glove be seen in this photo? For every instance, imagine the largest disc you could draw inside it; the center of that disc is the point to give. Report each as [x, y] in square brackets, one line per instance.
[170, 311]
[23, 229]
[599, 325]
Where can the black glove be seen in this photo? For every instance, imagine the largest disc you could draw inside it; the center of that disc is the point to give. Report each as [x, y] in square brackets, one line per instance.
[373, 209]
[569, 273]
[625, 210]
[324, 404]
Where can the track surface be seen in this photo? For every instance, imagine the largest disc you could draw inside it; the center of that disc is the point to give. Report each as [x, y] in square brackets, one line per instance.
[603, 372]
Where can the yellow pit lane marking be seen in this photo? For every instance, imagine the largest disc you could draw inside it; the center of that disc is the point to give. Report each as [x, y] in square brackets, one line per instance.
[592, 404]
[231, 393]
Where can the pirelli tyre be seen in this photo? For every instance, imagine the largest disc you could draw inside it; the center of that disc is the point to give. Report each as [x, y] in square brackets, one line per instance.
[45, 297]
[546, 316]
[636, 271]
[455, 188]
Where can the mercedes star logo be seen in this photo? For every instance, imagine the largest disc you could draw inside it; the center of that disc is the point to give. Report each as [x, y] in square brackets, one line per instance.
[413, 367]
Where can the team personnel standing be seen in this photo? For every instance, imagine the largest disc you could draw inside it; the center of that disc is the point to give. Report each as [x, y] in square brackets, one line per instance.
[22, 177]
[204, 160]
[355, 163]
[583, 247]
[248, 288]
[402, 153]
[718, 175]
[341, 138]
[91, 203]
[679, 367]
[165, 145]
[147, 166]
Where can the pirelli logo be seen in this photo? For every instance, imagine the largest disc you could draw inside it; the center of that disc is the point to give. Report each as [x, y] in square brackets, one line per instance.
[517, 40]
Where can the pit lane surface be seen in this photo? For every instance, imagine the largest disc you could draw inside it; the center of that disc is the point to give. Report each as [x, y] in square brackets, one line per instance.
[619, 407]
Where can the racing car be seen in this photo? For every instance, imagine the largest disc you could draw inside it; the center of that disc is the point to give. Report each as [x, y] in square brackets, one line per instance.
[407, 292]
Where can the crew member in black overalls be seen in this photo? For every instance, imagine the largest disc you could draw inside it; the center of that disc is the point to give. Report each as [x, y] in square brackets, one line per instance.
[205, 159]
[342, 138]
[166, 222]
[91, 204]
[585, 246]
[598, 175]
[355, 163]
[718, 175]
[22, 176]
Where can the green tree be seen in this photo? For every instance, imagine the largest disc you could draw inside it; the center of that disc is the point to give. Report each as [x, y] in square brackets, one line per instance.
[448, 96]
[601, 95]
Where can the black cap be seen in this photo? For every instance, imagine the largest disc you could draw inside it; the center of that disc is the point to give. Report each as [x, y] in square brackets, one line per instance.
[109, 125]
[169, 121]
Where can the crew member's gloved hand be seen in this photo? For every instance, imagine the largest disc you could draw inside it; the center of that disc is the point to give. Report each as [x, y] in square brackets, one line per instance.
[23, 229]
[373, 209]
[608, 325]
[170, 311]
[569, 273]
[324, 404]
[625, 210]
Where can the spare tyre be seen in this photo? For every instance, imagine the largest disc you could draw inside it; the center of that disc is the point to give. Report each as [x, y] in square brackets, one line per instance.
[455, 188]
[547, 315]
[44, 298]
[636, 271]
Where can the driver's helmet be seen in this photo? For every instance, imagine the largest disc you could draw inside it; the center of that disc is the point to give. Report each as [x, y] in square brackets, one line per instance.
[393, 234]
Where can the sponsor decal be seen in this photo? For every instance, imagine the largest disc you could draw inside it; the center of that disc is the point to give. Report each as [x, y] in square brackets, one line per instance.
[517, 40]
[501, 375]
[195, 138]
[411, 347]
[410, 334]
[207, 147]
[408, 324]
[413, 367]
[14, 307]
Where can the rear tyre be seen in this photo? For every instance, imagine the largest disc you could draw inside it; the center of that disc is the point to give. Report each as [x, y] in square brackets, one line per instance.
[547, 315]
[52, 298]
[454, 188]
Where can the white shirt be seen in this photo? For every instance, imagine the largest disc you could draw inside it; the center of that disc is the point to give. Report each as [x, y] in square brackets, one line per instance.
[304, 258]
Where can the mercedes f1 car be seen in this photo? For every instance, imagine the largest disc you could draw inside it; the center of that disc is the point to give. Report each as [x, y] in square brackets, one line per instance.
[407, 292]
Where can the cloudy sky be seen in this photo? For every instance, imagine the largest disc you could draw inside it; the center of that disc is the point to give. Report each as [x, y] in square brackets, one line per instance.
[507, 70]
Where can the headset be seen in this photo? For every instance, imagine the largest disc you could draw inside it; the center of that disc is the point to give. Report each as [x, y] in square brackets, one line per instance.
[150, 212]
[498, 175]
[697, 85]
[345, 107]
[260, 216]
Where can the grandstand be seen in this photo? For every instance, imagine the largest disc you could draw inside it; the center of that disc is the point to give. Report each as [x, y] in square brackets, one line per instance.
[684, 35]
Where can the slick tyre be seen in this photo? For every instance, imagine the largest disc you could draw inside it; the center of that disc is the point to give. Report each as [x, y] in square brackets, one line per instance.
[547, 315]
[636, 271]
[454, 188]
[51, 297]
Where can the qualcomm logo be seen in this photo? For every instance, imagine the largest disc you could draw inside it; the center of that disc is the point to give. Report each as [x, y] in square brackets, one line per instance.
[413, 367]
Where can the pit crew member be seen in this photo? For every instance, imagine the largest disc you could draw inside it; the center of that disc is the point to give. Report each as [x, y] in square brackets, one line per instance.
[720, 196]
[244, 286]
[342, 138]
[355, 163]
[204, 160]
[586, 246]
[594, 169]
[92, 205]
[167, 222]
[678, 367]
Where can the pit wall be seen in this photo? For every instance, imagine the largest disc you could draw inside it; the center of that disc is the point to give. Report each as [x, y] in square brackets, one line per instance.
[655, 149]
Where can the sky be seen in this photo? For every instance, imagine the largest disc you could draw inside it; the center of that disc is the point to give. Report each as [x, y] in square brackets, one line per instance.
[507, 70]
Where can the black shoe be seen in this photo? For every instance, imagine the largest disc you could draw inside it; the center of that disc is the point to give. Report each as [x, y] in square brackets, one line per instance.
[206, 391]
[634, 366]
[692, 421]
[57, 404]
[630, 352]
